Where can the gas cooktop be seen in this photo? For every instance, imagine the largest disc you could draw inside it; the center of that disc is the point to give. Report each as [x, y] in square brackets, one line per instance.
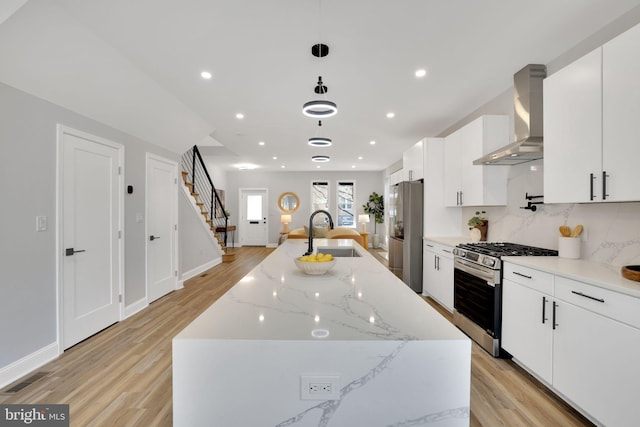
[499, 249]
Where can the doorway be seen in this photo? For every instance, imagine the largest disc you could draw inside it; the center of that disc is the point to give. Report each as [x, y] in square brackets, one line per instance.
[90, 249]
[253, 217]
[161, 226]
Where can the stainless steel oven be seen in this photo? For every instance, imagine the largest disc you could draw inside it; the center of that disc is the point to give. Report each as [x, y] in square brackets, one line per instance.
[477, 290]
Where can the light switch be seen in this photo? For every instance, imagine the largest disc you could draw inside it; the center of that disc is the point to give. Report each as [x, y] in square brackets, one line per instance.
[41, 223]
[138, 217]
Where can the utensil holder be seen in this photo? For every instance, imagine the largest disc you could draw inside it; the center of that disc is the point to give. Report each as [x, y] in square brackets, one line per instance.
[569, 247]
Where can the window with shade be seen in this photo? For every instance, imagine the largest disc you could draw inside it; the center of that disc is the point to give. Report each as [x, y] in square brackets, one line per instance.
[346, 204]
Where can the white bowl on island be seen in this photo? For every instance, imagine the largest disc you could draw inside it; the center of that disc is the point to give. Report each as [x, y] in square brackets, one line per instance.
[314, 268]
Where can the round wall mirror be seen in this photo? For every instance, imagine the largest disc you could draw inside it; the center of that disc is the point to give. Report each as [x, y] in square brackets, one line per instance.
[288, 202]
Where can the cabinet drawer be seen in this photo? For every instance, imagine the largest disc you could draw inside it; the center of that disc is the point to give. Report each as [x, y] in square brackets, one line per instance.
[620, 307]
[440, 249]
[534, 279]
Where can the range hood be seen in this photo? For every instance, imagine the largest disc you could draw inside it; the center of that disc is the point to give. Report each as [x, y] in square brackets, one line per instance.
[527, 118]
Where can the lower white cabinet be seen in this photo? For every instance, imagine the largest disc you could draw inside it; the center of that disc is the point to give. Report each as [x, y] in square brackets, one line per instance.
[437, 273]
[526, 327]
[596, 364]
[570, 335]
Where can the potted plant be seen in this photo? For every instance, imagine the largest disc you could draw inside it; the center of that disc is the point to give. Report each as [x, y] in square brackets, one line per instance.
[375, 207]
[481, 223]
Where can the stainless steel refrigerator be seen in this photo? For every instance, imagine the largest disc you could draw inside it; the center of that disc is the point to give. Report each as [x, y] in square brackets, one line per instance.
[405, 232]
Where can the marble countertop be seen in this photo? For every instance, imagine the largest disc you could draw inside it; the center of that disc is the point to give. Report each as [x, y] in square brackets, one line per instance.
[359, 299]
[449, 240]
[599, 274]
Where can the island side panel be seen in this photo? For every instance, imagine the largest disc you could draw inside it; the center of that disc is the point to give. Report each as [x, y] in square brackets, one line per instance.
[257, 383]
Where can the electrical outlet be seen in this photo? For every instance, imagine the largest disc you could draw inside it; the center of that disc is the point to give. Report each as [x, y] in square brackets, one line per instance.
[320, 387]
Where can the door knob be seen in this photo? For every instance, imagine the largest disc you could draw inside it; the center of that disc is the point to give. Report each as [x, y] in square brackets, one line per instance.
[152, 237]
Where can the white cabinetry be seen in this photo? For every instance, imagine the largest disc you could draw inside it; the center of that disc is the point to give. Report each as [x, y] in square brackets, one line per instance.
[527, 332]
[439, 220]
[467, 184]
[437, 273]
[582, 340]
[412, 162]
[620, 113]
[573, 130]
[591, 129]
[395, 177]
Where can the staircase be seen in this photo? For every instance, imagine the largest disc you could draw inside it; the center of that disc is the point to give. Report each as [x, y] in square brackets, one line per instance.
[199, 184]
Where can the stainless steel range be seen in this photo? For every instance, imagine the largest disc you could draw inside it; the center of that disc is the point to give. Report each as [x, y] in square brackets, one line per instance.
[477, 289]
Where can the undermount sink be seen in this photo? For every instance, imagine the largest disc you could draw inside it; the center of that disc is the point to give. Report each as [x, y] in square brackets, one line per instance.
[339, 252]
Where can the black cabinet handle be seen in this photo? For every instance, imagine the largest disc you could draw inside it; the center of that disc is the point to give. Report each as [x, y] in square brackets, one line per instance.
[522, 275]
[553, 320]
[587, 296]
[604, 185]
[71, 251]
[591, 178]
[544, 309]
[461, 202]
[152, 237]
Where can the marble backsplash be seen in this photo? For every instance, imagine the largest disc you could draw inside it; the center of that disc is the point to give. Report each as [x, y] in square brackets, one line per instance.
[611, 230]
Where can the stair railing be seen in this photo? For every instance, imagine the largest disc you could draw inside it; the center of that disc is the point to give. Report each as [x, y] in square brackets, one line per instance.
[203, 186]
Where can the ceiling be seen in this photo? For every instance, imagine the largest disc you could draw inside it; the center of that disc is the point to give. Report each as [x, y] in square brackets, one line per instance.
[135, 65]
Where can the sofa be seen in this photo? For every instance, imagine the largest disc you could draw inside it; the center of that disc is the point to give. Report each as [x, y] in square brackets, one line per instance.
[321, 232]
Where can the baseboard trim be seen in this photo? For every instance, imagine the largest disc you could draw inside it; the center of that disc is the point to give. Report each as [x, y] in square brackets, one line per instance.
[200, 269]
[135, 307]
[29, 363]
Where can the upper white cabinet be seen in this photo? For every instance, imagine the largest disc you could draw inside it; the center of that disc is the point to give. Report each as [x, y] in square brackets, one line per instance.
[396, 177]
[412, 162]
[620, 114]
[467, 184]
[591, 110]
[439, 220]
[572, 130]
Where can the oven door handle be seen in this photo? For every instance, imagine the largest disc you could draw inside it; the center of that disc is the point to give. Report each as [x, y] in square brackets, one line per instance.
[475, 271]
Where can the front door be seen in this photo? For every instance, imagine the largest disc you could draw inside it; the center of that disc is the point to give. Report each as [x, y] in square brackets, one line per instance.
[162, 214]
[90, 220]
[253, 217]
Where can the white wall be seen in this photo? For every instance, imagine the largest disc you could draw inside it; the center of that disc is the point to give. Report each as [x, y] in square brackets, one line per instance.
[299, 183]
[28, 189]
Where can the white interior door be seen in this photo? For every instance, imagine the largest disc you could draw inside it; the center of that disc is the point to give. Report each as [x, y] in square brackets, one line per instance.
[162, 208]
[90, 218]
[253, 217]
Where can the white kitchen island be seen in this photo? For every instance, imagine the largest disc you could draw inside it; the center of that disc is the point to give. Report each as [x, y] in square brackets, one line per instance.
[353, 347]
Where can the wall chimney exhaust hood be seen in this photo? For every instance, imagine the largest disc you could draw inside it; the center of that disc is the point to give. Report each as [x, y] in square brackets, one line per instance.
[528, 125]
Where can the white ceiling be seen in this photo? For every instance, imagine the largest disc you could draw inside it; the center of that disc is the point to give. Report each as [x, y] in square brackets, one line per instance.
[135, 65]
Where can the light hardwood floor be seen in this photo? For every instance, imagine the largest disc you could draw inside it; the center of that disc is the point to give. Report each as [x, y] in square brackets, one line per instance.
[122, 375]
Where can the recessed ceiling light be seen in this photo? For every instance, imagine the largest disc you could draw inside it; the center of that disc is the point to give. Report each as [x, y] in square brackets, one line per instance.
[318, 167]
[206, 75]
[275, 157]
[372, 142]
[261, 143]
[360, 157]
[282, 167]
[239, 116]
[421, 72]
[317, 141]
[320, 158]
[245, 166]
[391, 115]
[353, 166]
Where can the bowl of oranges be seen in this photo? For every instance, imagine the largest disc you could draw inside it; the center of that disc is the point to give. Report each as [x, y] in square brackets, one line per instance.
[315, 264]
